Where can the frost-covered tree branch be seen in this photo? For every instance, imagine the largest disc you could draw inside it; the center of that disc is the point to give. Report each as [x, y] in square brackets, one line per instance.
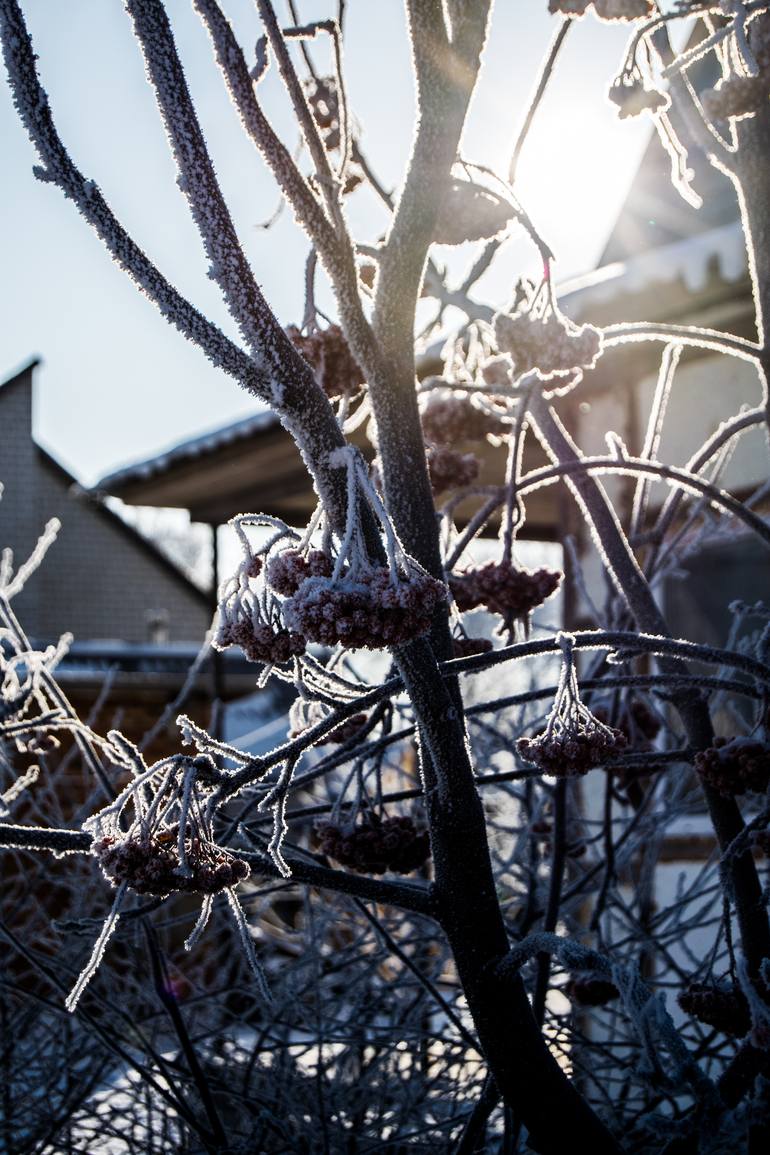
[535, 777]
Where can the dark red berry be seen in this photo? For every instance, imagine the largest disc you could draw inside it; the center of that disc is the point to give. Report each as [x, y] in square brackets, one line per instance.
[371, 611]
[336, 370]
[724, 1008]
[735, 766]
[588, 991]
[374, 845]
[503, 588]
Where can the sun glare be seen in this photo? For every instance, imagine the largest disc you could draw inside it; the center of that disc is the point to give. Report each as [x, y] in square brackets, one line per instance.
[573, 175]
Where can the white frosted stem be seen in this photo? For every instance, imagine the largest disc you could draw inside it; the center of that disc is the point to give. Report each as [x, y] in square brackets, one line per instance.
[248, 945]
[89, 970]
[201, 922]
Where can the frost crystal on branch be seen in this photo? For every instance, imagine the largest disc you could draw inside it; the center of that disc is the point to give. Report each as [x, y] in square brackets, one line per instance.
[57, 167]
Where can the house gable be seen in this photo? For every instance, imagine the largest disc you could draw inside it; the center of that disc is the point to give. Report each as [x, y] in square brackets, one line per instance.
[101, 579]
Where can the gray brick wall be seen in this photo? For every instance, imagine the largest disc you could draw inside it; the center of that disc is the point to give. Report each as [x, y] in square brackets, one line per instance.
[98, 581]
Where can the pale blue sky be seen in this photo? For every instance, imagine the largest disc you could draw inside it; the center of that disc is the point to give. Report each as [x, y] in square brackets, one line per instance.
[117, 384]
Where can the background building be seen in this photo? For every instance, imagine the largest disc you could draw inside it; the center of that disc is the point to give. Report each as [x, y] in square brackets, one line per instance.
[138, 621]
[102, 580]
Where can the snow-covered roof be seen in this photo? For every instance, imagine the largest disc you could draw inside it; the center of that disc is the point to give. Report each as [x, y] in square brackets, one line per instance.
[188, 450]
[690, 260]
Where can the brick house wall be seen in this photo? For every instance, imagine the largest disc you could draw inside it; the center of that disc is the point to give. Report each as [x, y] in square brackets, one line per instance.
[101, 579]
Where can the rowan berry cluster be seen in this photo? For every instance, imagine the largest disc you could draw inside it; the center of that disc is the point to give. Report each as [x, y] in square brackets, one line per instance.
[735, 766]
[550, 344]
[367, 274]
[369, 611]
[470, 212]
[723, 1008]
[497, 371]
[150, 864]
[574, 740]
[639, 719]
[623, 9]
[449, 416]
[449, 469]
[327, 351]
[633, 97]
[590, 991]
[325, 109]
[346, 731]
[324, 105]
[305, 713]
[503, 588]
[249, 619]
[571, 752]
[568, 7]
[761, 840]
[469, 647]
[287, 570]
[376, 844]
[260, 641]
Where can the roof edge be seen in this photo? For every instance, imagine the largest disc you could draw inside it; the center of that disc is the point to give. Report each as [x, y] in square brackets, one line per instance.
[185, 450]
[26, 367]
[128, 531]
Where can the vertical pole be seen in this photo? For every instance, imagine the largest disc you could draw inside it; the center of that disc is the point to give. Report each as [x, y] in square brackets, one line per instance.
[217, 658]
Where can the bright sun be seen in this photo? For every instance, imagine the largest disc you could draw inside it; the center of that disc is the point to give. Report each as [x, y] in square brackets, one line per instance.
[573, 175]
